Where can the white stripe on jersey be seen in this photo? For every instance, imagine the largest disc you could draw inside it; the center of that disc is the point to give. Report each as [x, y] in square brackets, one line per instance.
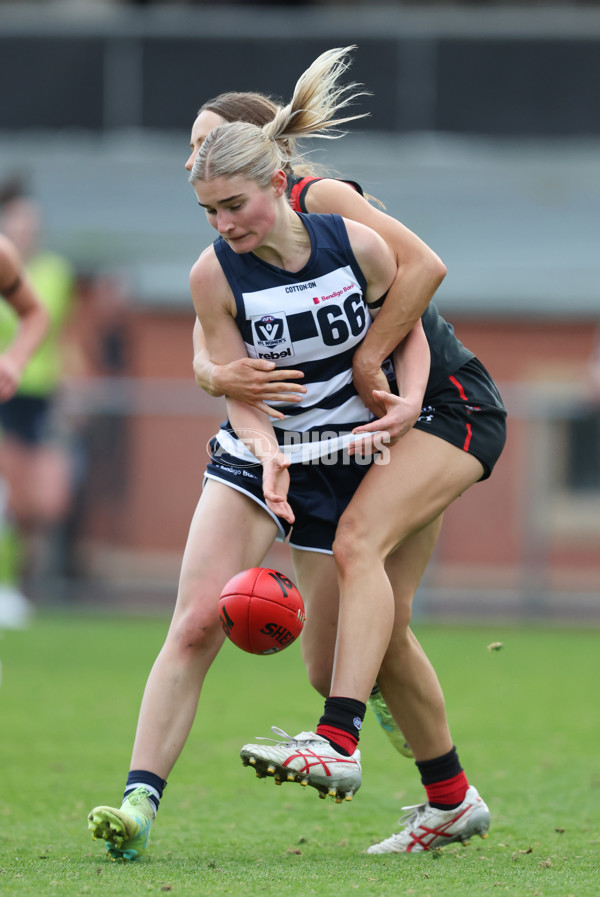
[298, 453]
[351, 411]
[316, 392]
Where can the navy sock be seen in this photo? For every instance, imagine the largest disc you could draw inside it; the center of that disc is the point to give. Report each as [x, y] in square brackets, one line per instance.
[153, 783]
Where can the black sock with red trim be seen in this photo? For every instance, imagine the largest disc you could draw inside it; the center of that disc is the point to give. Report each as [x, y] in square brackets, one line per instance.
[444, 780]
[341, 723]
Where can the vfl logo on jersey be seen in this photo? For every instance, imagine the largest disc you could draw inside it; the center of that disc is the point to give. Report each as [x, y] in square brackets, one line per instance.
[272, 336]
[269, 330]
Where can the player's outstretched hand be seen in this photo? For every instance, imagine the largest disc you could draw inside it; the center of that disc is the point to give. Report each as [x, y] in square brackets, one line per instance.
[400, 415]
[276, 484]
[256, 381]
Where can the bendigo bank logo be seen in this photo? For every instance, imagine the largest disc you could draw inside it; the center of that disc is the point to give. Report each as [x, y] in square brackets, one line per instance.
[271, 336]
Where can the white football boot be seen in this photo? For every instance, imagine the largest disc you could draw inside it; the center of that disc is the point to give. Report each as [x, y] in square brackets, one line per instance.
[426, 828]
[308, 759]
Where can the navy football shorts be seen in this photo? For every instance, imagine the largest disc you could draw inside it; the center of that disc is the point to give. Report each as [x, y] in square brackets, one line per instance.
[466, 410]
[25, 418]
[319, 494]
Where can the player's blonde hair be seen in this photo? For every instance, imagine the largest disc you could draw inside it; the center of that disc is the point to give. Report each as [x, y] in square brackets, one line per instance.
[240, 148]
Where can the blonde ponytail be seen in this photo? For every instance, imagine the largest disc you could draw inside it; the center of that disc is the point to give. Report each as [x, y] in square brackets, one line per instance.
[239, 148]
[317, 99]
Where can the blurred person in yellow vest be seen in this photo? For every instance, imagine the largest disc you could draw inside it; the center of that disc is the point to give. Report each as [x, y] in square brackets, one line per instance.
[33, 461]
[32, 323]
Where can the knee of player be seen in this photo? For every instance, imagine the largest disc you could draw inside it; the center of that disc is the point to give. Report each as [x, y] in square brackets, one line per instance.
[349, 534]
[196, 629]
[352, 546]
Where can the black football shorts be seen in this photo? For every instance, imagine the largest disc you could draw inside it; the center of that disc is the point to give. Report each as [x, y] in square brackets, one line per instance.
[466, 410]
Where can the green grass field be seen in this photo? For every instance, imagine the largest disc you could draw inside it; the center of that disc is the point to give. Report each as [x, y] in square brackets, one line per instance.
[525, 720]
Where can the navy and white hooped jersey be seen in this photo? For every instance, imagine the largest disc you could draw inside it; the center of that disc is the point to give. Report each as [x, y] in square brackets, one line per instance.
[310, 320]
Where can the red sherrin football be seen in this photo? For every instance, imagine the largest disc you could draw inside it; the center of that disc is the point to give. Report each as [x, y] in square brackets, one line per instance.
[261, 611]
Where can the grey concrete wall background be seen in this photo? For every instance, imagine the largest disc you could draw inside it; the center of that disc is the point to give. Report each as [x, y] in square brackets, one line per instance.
[517, 223]
[483, 133]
